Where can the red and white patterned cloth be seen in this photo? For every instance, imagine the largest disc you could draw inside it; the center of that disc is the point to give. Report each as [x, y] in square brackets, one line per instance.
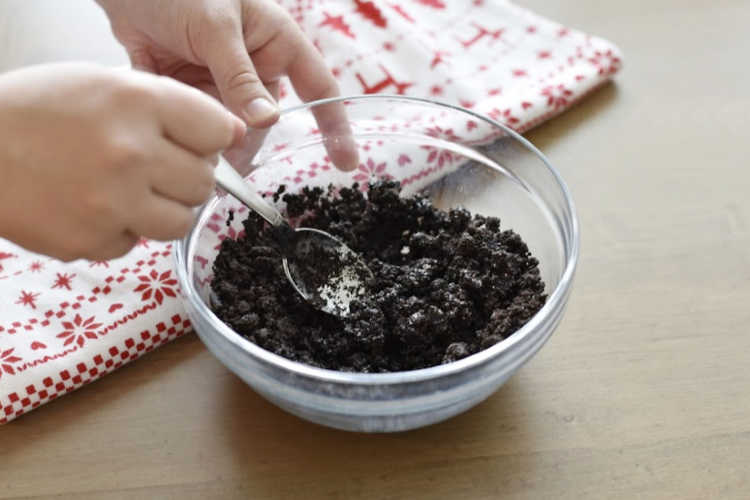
[64, 325]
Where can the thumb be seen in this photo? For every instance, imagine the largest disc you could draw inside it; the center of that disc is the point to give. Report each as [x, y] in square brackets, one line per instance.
[241, 90]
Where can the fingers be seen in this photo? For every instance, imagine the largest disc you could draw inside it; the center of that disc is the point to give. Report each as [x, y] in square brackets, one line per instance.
[208, 88]
[240, 87]
[113, 247]
[241, 154]
[181, 176]
[175, 180]
[337, 135]
[195, 121]
[179, 180]
[313, 81]
[140, 59]
[160, 218]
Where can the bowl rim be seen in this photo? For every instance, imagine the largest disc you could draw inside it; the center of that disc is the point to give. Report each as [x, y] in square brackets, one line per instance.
[554, 302]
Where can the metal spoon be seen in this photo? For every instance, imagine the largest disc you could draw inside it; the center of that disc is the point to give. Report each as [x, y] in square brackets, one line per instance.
[305, 251]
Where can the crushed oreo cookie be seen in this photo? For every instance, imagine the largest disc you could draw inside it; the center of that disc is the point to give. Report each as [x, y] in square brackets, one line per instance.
[444, 285]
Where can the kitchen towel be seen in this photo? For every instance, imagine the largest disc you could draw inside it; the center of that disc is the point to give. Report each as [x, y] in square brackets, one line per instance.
[65, 325]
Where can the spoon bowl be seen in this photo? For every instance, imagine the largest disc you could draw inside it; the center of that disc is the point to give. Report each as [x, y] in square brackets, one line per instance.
[338, 277]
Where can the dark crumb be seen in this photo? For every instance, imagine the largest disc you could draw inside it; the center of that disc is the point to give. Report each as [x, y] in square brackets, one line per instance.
[279, 192]
[446, 284]
[230, 218]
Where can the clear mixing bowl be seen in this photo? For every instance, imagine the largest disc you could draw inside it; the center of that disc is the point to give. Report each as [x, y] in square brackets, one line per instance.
[457, 158]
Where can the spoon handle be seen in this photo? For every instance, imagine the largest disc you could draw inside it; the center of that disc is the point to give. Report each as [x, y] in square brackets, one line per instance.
[244, 190]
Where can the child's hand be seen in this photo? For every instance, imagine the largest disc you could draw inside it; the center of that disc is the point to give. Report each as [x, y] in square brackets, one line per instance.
[235, 50]
[91, 158]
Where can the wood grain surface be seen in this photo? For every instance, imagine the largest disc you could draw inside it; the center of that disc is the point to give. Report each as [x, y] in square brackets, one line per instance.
[643, 391]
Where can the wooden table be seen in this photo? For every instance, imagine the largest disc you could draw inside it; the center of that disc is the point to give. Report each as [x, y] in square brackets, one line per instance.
[643, 392]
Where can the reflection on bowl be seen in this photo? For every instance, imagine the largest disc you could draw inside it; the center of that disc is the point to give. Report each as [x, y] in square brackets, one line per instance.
[455, 157]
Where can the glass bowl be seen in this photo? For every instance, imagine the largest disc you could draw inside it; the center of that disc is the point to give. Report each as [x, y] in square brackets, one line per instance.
[457, 158]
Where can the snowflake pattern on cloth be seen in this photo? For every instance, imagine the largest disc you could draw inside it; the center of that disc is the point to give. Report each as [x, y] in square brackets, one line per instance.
[490, 56]
[65, 325]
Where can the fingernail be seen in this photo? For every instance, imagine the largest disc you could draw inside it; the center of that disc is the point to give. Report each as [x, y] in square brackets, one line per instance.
[261, 110]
